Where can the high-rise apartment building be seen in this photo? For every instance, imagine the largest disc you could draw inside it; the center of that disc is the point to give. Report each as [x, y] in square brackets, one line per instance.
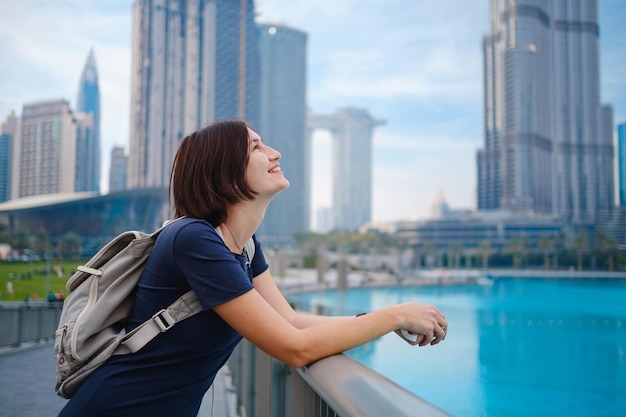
[548, 146]
[8, 130]
[621, 163]
[282, 126]
[193, 62]
[351, 130]
[88, 140]
[44, 152]
[85, 174]
[118, 171]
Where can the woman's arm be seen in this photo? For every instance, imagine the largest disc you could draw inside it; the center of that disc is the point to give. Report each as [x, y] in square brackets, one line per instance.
[266, 287]
[257, 319]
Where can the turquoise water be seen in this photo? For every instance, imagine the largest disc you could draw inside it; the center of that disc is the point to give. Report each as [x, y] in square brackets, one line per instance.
[518, 347]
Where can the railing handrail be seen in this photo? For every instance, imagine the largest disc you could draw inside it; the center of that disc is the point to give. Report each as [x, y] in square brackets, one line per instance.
[352, 389]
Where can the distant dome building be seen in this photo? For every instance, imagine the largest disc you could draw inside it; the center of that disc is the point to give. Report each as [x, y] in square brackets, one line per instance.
[439, 207]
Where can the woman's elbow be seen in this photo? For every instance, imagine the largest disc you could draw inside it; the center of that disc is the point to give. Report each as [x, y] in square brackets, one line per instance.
[298, 355]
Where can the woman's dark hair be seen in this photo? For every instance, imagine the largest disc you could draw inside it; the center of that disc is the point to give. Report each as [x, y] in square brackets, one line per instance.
[209, 171]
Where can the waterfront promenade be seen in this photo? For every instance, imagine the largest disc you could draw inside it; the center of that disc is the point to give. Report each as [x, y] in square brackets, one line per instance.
[27, 379]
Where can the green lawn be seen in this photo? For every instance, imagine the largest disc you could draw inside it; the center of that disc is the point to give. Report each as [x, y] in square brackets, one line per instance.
[29, 278]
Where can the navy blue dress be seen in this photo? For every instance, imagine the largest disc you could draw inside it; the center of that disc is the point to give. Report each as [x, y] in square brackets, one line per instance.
[171, 374]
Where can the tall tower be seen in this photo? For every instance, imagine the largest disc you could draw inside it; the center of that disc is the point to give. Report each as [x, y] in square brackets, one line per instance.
[44, 154]
[283, 126]
[583, 141]
[621, 163]
[193, 62]
[118, 171]
[8, 131]
[547, 146]
[88, 142]
[351, 130]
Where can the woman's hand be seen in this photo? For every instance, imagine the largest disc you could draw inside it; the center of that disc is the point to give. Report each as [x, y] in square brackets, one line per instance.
[424, 321]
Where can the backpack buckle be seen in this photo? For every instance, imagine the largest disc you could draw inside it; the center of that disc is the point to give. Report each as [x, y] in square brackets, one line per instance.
[164, 320]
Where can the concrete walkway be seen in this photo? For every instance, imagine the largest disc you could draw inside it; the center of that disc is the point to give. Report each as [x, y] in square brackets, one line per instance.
[27, 379]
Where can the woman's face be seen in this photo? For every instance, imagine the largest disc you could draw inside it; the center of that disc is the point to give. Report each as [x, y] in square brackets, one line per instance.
[264, 174]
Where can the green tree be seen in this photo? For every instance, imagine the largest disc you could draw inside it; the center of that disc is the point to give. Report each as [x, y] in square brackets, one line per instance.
[41, 242]
[606, 245]
[517, 248]
[545, 245]
[455, 251]
[3, 233]
[485, 250]
[581, 246]
[69, 246]
[558, 247]
[20, 240]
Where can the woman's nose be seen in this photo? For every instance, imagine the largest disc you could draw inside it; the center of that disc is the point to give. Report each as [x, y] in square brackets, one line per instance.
[273, 153]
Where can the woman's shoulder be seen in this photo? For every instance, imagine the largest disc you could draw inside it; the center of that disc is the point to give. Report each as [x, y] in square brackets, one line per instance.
[188, 226]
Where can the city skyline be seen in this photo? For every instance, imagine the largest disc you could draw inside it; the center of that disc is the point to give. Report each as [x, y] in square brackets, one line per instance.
[412, 63]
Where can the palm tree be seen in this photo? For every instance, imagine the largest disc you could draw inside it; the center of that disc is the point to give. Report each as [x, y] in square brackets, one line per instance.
[581, 245]
[485, 251]
[604, 243]
[545, 245]
[455, 250]
[558, 247]
[517, 248]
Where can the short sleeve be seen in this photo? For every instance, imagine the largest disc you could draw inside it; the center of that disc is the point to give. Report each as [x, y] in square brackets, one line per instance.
[211, 269]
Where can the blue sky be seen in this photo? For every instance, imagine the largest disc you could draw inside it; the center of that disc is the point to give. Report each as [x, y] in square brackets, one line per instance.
[414, 63]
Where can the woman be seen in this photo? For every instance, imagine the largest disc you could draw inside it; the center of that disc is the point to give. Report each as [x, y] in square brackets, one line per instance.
[223, 175]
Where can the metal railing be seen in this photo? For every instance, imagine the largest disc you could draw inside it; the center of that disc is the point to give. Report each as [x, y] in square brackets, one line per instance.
[24, 324]
[335, 386]
[264, 387]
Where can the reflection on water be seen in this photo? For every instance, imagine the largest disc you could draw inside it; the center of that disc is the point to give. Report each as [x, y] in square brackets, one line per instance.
[515, 348]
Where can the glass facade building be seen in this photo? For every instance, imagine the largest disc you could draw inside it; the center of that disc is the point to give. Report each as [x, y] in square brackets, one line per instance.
[6, 142]
[282, 126]
[95, 218]
[193, 62]
[621, 163]
[548, 140]
[88, 140]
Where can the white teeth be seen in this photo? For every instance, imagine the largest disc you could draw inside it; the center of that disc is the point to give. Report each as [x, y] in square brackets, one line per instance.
[275, 169]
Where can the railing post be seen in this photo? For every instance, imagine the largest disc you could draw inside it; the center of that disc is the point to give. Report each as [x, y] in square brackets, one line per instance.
[303, 398]
[263, 383]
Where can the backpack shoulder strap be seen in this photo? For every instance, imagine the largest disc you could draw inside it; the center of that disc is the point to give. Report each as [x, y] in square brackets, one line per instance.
[184, 307]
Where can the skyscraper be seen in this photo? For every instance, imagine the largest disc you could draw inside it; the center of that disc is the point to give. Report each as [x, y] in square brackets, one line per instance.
[283, 126]
[85, 172]
[118, 172]
[88, 141]
[44, 153]
[351, 130]
[193, 62]
[8, 130]
[547, 145]
[621, 163]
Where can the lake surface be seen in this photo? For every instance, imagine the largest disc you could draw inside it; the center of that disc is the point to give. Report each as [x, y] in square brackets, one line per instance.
[516, 347]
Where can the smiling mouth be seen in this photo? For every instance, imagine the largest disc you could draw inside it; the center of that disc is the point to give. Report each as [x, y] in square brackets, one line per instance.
[275, 169]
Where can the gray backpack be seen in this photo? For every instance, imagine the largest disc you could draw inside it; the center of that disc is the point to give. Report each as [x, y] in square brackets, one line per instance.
[101, 296]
